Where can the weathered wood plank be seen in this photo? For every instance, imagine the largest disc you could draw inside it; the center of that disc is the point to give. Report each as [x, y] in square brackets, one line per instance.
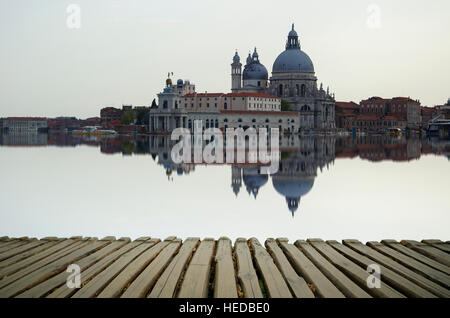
[355, 272]
[196, 279]
[298, 286]
[166, 285]
[99, 282]
[51, 269]
[92, 271]
[303, 266]
[347, 286]
[20, 249]
[131, 271]
[22, 268]
[19, 257]
[429, 272]
[14, 244]
[438, 244]
[274, 282]
[420, 257]
[429, 251]
[398, 268]
[398, 282]
[225, 276]
[147, 278]
[246, 272]
[48, 285]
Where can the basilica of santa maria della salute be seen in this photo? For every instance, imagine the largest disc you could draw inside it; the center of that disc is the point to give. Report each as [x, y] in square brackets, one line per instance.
[255, 99]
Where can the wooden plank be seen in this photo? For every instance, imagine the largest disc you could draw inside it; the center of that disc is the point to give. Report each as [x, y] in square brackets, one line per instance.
[196, 279]
[420, 257]
[398, 268]
[28, 265]
[131, 271]
[274, 282]
[92, 271]
[352, 270]
[398, 282]
[52, 268]
[429, 251]
[147, 278]
[429, 272]
[297, 285]
[225, 276]
[347, 286]
[320, 284]
[438, 244]
[13, 245]
[166, 285]
[48, 285]
[99, 282]
[20, 249]
[16, 258]
[246, 274]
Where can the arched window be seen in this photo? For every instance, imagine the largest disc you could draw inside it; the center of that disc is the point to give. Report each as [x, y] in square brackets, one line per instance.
[217, 123]
[297, 90]
[305, 108]
[239, 120]
[267, 120]
[225, 106]
[165, 104]
[303, 91]
[190, 124]
[207, 123]
[280, 90]
[253, 120]
[225, 120]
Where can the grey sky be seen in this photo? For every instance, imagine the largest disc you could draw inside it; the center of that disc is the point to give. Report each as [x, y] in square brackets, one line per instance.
[124, 49]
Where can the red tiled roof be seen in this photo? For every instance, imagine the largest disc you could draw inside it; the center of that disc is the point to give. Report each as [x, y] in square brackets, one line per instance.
[250, 95]
[348, 105]
[203, 95]
[367, 117]
[259, 112]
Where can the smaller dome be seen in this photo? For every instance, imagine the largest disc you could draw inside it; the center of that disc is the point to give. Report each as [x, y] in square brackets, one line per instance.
[180, 82]
[255, 71]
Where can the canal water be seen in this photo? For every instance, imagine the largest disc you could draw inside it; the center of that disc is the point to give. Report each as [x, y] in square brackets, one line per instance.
[368, 188]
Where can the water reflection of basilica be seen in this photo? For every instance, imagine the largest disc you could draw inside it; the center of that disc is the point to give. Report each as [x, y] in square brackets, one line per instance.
[300, 157]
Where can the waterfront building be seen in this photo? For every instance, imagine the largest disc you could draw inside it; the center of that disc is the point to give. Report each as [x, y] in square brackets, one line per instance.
[24, 124]
[232, 110]
[345, 114]
[255, 100]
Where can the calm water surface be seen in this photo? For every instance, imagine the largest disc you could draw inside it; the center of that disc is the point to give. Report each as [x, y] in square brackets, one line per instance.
[369, 188]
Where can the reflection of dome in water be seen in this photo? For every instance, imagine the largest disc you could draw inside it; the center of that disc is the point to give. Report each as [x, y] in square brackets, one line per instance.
[293, 189]
[253, 180]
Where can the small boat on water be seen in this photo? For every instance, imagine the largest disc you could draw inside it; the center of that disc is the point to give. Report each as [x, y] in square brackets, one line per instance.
[93, 130]
[394, 132]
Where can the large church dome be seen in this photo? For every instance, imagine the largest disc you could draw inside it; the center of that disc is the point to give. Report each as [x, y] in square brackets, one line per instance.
[293, 188]
[293, 59]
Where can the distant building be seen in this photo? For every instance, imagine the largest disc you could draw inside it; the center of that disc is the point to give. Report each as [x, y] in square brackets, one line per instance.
[427, 113]
[345, 114]
[24, 124]
[110, 114]
[443, 111]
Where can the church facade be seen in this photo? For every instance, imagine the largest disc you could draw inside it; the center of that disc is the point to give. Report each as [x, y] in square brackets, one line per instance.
[255, 99]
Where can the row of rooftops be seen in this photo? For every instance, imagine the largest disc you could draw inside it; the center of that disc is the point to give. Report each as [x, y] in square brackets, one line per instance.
[244, 94]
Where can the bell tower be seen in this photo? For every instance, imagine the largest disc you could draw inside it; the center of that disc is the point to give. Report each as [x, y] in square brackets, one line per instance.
[236, 73]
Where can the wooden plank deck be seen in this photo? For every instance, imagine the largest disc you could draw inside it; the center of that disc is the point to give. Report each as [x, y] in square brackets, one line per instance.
[194, 268]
